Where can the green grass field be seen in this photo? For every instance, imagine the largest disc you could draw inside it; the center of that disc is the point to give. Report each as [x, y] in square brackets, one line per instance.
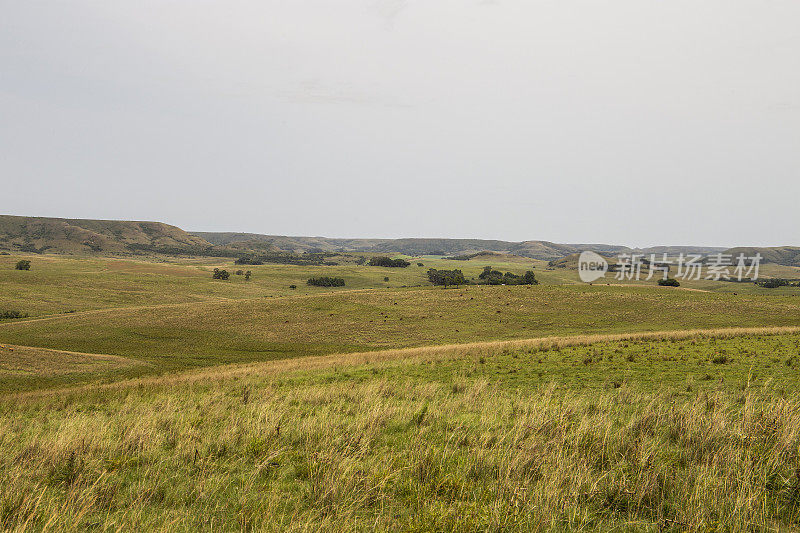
[628, 435]
[145, 395]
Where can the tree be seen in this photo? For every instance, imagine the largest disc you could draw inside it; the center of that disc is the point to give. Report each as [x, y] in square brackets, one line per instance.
[488, 273]
[529, 278]
[386, 278]
[220, 274]
[247, 275]
[23, 264]
[669, 282]
[239, 272]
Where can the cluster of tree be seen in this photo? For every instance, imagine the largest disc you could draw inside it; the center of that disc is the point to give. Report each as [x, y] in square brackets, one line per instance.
[23, 264]
[220, 274]
[669, 282]
[208, 251]
[283, 258]
[246, 274]
[325, 281]
[774, 283]
[495, 277]
[446, 277]
[388, 262]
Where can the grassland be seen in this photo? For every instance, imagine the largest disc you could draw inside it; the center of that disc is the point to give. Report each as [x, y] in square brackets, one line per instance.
[170, 401]
[559, 436]
[172, 316]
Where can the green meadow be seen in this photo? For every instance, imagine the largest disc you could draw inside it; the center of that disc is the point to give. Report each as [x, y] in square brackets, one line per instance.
[140, 393]
[664, 434]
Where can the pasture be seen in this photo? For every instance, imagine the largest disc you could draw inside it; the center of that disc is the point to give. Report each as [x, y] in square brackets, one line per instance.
[145, 395]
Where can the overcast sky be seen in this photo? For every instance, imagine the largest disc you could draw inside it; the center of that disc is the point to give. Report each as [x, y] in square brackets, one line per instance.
[630, 122]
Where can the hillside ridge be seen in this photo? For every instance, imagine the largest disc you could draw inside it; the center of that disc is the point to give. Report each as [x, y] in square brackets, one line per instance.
[67, 235]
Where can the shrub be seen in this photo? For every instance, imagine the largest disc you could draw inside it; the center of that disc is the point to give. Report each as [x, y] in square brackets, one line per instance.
[240, 272]
[326, 281]
[293, 287]
[247, 275]
[386, 278]
[669, 282]
[420, 264]
[23, 264]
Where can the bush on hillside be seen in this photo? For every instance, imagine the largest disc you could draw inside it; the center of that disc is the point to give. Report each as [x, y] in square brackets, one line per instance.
[220, 274]
[326, 281]
[669, 282]
[23, 264]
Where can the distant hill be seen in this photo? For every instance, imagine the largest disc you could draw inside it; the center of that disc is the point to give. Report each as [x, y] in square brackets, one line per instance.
[571, 261]
[781, 255]
[534, 249]
[543, 250]
[61, 235]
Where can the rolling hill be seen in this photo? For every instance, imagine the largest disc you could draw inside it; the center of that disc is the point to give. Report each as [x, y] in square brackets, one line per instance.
[781, 255]
[61, 235]
[544, 250]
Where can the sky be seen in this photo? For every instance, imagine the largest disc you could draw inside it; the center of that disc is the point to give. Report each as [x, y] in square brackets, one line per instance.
[631, 122]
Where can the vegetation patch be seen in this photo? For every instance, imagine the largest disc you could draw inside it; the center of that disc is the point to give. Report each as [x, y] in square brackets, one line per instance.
[325, 281]
[388, 262]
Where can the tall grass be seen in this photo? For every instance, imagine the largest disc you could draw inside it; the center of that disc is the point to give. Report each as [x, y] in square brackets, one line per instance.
[343, 452]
